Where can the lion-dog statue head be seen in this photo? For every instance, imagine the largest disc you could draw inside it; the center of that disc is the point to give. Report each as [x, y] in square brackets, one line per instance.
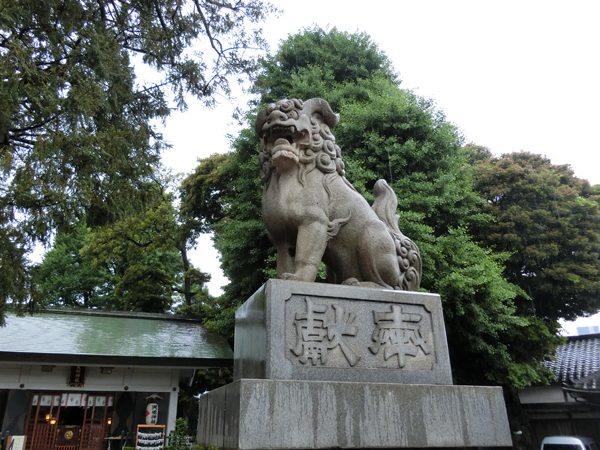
[313, 214]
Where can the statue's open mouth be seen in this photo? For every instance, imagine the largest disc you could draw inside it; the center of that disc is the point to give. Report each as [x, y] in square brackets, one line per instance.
[284, 138]
[279, 132]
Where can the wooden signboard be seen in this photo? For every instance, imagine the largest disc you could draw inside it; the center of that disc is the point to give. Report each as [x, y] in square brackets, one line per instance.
[76, 376]
[15, 443]
[150, 437]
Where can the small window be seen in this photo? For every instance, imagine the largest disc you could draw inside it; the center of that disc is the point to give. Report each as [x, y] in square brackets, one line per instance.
[562, 447]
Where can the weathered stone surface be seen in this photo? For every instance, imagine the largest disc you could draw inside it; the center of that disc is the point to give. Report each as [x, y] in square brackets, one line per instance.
[211, 423]
[279, 414]
[310, 331]
[313, 214]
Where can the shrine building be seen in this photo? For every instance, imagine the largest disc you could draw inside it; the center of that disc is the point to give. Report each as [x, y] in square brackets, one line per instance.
[87, 380]
[570, 406]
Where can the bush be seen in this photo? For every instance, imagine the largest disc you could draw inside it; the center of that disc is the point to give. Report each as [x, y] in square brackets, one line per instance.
[179, 438]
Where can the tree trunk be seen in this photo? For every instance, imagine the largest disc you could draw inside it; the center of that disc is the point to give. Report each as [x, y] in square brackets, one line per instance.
[186, 279]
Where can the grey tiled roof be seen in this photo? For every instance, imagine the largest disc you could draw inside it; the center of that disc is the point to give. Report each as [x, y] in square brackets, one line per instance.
[578, 362]
[104, 334]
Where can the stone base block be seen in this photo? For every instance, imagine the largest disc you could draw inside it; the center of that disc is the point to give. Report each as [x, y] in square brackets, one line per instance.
[283, 414]
[289, 330]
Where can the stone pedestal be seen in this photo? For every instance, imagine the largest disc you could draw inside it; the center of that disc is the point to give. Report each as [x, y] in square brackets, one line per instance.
[326, 332]
[279, 414]
[328, 366]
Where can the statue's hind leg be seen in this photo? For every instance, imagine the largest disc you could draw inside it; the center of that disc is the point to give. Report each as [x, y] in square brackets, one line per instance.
[377, 257]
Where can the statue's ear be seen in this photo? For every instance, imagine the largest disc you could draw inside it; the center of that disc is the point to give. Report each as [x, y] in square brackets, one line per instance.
[260, 121]
[318, 105]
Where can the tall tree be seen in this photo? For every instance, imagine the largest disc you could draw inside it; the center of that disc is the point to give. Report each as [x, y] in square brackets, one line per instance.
[76, 133]
[148, 252]
[67, 277]
[549, 222]
[224, 193]
[385, 132]
[138, 263]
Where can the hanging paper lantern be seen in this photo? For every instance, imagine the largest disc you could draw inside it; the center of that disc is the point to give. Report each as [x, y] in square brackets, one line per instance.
[151, 414]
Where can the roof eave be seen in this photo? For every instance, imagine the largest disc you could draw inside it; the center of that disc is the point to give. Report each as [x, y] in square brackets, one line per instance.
[110, 360]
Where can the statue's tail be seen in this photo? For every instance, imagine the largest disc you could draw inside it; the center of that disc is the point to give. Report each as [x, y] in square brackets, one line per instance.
[409, 257]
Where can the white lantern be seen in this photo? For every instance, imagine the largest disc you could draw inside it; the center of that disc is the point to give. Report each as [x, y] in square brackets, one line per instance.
[151, 413]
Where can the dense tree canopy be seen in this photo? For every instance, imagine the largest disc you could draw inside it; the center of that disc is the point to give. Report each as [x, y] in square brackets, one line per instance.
[224, 192]
[315, 62]
[66, 277]
[76, 127]
[138, 263]
[549, 222]
[384, 132]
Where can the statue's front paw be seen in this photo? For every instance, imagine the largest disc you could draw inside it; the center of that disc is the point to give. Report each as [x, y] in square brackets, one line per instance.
[351, 282]
[290, 277]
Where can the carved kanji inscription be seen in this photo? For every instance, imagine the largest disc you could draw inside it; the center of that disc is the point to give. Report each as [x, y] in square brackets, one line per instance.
[340, 333]
[399, 334]
[317, 333]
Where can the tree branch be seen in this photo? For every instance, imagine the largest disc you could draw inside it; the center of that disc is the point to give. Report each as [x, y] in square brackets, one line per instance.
[224, 5]
[139, 244]
[34, 126]
[207, 29]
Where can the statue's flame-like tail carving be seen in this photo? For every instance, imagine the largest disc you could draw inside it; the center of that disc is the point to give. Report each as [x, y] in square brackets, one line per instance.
[409, 257]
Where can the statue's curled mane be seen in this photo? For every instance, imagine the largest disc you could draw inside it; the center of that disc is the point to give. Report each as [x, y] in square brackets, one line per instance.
[322, 153]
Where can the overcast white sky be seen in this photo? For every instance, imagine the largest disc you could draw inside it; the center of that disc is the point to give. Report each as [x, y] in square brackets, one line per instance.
[512, 75]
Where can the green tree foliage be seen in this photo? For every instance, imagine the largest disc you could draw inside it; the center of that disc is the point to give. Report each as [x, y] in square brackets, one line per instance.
[203, 191]
[67, 277]
[148, 254]
[205, 380]
[549, 222]
[138, 263]
[225, 193]
[315, 62]
[76, 133]
[385, 132]
[180, 437]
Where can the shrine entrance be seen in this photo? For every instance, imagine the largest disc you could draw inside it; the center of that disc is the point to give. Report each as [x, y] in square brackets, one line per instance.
[69, 421]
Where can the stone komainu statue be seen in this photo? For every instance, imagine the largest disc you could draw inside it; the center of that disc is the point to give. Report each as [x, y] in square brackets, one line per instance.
[313, 213]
